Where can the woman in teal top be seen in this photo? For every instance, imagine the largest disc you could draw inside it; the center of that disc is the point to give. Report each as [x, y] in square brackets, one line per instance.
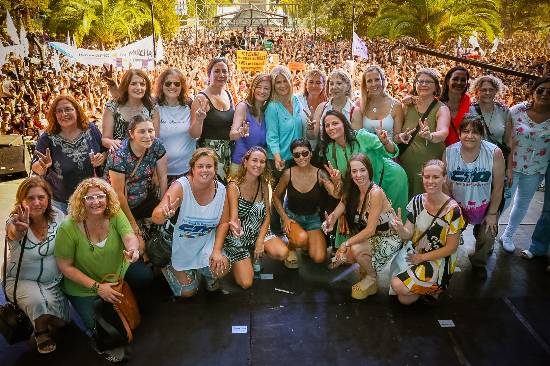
[340, 143]
[95, 240]
[284, 124]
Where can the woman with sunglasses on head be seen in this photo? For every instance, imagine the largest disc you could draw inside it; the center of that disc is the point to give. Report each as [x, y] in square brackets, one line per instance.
[313, 95]
[134, 99]
[301, 219]
[422, 139]
[434, 222]
[212, 114]
[201, 226]
[248, 127]
[69, 151]
[172, 120]
[248, 196]
[94, 241]
[372, 242]
[531, 135]
[454, 95]
[31, 230]
[130, 171]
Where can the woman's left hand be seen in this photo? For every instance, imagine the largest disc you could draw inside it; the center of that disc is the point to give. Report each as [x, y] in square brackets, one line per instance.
[424, 131]
[491, 224]
[131, 255]
[259, 250]
[415, 258]
[97, 159]
[217, 263]
[334, 174]
[382, 134]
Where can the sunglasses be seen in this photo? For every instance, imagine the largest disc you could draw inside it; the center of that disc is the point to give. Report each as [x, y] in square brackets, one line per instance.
[541, 91]
[303, 154]
[98, 197]
[168, 84]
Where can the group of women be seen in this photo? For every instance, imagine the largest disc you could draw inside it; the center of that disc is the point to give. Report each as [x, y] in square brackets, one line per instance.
[277, 173]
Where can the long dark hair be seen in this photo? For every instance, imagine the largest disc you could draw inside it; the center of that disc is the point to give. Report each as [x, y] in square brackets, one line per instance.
[349, 133]
[445, 90]
[147, 99]
[351, 190]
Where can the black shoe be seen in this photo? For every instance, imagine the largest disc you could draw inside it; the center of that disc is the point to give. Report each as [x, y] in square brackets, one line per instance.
[480, 272]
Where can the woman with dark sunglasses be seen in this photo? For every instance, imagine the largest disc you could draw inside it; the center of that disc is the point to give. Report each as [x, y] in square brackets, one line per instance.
[303, 184]
[172, 120]
[531, 135]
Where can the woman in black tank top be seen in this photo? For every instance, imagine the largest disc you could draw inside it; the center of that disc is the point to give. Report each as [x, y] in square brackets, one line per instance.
[301, 221]
[212, 115]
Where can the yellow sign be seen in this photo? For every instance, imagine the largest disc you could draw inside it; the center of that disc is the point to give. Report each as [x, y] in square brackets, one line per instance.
[251, 60]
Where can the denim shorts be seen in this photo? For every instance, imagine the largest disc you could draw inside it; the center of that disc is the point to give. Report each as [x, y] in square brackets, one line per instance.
[307, 222]
[195, 275]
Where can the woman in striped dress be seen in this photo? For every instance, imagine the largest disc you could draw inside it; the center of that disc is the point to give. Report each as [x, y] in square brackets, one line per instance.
[248, 195]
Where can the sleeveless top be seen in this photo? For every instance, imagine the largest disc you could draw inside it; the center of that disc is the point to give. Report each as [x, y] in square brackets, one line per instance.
[256, 137]
[195, 229]
[303, 203]
[387, 123]
[120, 127]
[217, 124]
[174, 135]
[471, 182]
[361, 218]
[252, 215]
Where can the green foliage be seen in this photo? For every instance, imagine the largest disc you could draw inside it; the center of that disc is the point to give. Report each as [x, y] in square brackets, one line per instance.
[26, 11]
[108, 22]
[525, 16]
[432, 22]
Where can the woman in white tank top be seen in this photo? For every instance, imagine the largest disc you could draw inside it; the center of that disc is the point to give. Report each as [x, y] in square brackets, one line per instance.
[376, 110]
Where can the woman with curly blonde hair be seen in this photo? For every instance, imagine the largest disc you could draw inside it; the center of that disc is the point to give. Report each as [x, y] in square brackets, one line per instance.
[248, 196]
[95, 240]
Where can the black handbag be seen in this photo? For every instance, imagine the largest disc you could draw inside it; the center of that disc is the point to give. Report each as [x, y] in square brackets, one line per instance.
[15, 325]
[158, 245]
[502, 146]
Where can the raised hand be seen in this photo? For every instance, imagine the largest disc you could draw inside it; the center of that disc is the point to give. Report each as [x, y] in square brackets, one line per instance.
[328, 224]
[406, 135]
[334, 174]
[108, 74]
[397, 223]
[382, 134]
[279, 164]
[244, 129]
[169, 209]
[45, 160]
[21, 219]
[310, 124]
[204, 107]
[424, 132]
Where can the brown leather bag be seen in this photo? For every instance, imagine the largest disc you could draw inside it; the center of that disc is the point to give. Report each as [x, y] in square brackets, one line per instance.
[127, 309]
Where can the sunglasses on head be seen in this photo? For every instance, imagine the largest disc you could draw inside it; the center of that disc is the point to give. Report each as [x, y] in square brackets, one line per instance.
[168, 84]
[541, 91]
[304, 154]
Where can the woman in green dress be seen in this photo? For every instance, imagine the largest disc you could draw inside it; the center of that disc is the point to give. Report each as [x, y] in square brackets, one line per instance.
[428, 142]
[340, 142]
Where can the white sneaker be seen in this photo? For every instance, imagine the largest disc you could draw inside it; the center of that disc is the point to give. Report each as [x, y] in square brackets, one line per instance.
[507, 244]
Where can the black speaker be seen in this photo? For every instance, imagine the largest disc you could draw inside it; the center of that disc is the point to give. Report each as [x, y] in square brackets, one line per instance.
[12, 154]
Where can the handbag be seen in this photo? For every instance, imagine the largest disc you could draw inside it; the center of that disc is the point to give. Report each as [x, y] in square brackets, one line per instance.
[15, 325]
[503, 147]
[159, 244]
[115, 323]
[402, 146]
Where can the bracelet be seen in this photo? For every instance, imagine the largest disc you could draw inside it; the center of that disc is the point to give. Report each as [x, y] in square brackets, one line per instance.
[95, 287]
[431, 136]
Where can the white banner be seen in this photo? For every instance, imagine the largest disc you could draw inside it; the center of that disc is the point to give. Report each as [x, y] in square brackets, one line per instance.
[135, 54]
[11, 30]
[359, 48]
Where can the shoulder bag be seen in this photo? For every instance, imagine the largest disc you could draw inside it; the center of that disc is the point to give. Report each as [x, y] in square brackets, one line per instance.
[502, 146]
[15, 325]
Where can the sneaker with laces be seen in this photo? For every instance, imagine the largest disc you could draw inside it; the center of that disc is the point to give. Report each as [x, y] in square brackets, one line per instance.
[507, 244]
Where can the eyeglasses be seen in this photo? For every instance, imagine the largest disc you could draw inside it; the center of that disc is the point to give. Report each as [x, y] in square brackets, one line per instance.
[168, 84]
[424, 82]
[297, 155]
[64, 110]
[541, 91]
[94, 197]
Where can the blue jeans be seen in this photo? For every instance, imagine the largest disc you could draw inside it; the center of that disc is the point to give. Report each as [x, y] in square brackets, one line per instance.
[540, 240]
[524, 186]
[84, 306]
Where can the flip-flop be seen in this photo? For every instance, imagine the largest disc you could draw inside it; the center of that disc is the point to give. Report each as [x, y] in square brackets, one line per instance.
[44, 343]
[292, 260]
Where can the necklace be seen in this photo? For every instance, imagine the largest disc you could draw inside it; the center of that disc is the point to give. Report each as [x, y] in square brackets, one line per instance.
[92, 247]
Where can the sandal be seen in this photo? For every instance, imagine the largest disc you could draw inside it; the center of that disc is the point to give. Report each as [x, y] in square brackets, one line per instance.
[291, 260]
[359, 292]
[338, 259]
[44, 343]
[526, 254]
[114, 355]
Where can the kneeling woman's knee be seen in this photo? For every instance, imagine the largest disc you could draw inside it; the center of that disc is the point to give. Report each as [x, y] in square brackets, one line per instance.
[244, 283]
[397, 285]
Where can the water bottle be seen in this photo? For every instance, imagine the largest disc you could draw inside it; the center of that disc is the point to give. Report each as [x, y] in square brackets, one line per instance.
[257, 267]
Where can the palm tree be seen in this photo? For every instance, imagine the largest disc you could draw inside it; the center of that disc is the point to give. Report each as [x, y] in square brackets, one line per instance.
[432, 22]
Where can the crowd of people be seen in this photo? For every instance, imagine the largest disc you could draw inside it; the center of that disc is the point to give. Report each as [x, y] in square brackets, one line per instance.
[385, 163]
